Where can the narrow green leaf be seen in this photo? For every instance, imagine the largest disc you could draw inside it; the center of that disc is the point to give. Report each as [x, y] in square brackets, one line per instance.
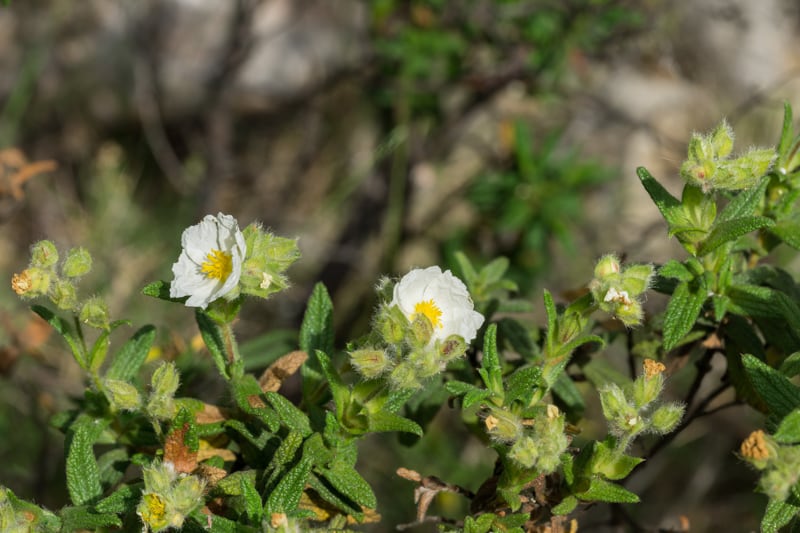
[730, 230]
[247, 394]
[83, 476]
[493, 372]
[756, 301]
[746, 203]
[568, 393]
[788, 230]
[160, 290]
[121, 500]
[130, 357]
[552, 320]
[466, 268]
[682, 311]
[665, 202]
[566, 506]
[339, 390]
[780, 394]
[231, 485]
[112, 465]
[350, 483]
[612, 465]
[292, 417]
[675, 270]
[323, 487]
[786, 131]
[494, 271]
[286, 495]
[790, 367]
[316, 333]
[383, 421]
[65, 330]
[212, 337]
[252, 500]
[788, 431]
[521, 385]
[777, 515]
[604, 491]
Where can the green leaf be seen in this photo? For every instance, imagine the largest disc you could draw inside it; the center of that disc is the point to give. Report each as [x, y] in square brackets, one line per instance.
[121, 500]
[325, 490]
[675, 270]
[552, 321]
[756, 301]
[286, 495]
[521, 385]
[746, 203]
[160, 290]
[83, 475]
[316, 333]
[65, 330]
[788, 230]
[130, 357]
[777, 515]
[790, 367]
[665, 202]
[491, 371]
[780, 394]
[252, 500]
[566, 506]
[682, 311]
[604, 491]
[292, 417]
[612, 465]
[730, 230]
[349, 482]
[112, 465]
[83, 518]
[339, 390]
[383, 421]
[788, 431]
[247, 394]
[786, 131]
[231, 485]
[569, 394]
[212, 337]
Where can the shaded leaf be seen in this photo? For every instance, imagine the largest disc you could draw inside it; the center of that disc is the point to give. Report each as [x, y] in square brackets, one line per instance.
[130, 357]
[682, 311]
[83, 475]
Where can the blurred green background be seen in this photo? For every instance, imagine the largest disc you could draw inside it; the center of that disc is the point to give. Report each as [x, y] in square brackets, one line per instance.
[385, 134]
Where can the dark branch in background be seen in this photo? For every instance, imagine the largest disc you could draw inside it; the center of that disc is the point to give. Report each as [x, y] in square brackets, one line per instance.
[148, 36]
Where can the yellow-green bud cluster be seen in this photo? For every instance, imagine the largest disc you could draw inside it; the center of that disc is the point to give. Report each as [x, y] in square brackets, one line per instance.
[163, 385]
[541, 447]
[17, 516]
[637, 409]
[779, 463]
[710, 167]
[122, 395]
[44, 278]
[168, 497]
[619, 291]
[268, 257]
[404, 353]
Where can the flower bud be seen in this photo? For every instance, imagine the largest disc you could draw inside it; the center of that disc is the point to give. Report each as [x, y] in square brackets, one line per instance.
[427, 362]
[613, 402]
[666, 417]
[370, 363]
[722, 140]
[637, 278]
[525, 452]
[404, 376]
[122, 395]
[64, 294]
[757, 449]
[153, 512]
[94, 312]
[31, 282]
[77, 263]
[164, 383]
[606, 266]
[503, 426]
[645, 390]
[452, 348]
[44, 254]
[187, 494]
[391, 324]
[421, 330]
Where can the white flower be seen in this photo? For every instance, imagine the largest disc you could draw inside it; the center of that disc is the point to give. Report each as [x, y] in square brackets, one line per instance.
[211, 261]
[442, 298]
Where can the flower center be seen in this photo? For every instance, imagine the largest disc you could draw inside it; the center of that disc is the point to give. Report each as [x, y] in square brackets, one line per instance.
[218, 265]
[429, 309]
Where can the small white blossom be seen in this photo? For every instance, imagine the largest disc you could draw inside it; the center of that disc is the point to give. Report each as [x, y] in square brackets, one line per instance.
[210, 263]
[442, 298]
[620, 297]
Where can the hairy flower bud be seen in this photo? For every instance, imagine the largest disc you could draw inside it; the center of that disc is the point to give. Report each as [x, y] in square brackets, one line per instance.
[77, 263]
[94, 312]
[164, 383]
[64, 294]
[503, 426]
[666, 418]
[44, 254]
[122, 395]
[31, 282]
[370, 363]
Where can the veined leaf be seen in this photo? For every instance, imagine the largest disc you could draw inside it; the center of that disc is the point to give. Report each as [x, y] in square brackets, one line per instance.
[212, 337]
[131, 355]
[788, 431]
[83, 475]
[675, 270]
[604, 491]
[294, 418]
[665, 202]
[777, 515]
[382, 421]
[780, 394]
[83, 518]
[682, 311]
[745, 203]
[65, 330]
[316, 333]
[492, 372]
[350, 483]
[252, 500]
[730, 230]
[160, 290]
[286, 495]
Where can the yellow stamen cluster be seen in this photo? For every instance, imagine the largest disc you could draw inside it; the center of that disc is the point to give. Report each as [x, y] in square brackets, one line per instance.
[21, 283]
[429, 310]
[218, 265]
[653, 368]
[755, 446]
